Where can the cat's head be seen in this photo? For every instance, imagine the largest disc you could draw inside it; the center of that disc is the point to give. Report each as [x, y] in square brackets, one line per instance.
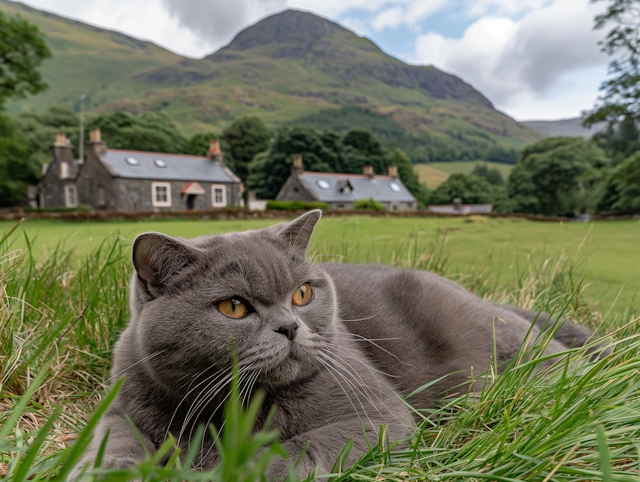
[192, 299]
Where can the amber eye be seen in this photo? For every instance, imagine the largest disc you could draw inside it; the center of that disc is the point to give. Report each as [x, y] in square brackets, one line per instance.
[302, 296]
[233, 308]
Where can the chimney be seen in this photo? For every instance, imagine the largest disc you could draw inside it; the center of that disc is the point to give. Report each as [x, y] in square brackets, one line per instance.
[296, 168]
[94, 135]
[61, 140]
[393, 171]
[215, 154]
[96, 145]
[457, 204]
[368, 171]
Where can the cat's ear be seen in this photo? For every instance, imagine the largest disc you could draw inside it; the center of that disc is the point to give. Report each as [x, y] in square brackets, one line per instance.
[157, 258]
[298, 232]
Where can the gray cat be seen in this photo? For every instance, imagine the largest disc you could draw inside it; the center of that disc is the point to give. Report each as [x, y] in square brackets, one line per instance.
[334, 346]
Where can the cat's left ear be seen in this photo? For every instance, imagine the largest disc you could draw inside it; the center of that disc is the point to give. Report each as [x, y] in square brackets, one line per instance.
[298, 232]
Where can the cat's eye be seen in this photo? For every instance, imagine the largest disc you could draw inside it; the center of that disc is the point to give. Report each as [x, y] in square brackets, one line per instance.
[302, 296]
[233, 308]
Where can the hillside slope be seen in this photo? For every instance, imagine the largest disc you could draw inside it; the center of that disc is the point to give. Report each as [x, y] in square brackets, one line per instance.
[566, 127]
[285, 67]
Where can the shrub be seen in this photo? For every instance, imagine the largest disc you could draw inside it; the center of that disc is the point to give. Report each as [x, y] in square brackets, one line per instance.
[295, 205]
[371, 204]
[83, 208]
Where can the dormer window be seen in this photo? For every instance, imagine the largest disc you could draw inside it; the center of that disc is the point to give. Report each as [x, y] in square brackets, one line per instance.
[64, 170]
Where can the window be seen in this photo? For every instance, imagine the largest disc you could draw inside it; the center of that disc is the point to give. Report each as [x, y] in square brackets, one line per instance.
[64, 170]
[101, 197]
[160, 163]
[161, 194]
[323, 184]
[395, 187]
[132, 161]
[218, 195]
[70, 196]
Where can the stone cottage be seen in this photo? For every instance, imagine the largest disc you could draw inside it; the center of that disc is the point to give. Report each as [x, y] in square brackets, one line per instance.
[341, 190]
[123, 180]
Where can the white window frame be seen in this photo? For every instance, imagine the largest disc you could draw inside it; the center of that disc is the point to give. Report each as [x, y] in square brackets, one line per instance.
[154, 201]
[213, 195]
[64, 170]
[67, 190]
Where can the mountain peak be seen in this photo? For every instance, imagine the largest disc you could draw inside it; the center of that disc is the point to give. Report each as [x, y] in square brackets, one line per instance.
[303, 29]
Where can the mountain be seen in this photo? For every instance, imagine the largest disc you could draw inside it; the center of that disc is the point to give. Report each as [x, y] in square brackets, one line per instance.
[566, 127]
[289, 66]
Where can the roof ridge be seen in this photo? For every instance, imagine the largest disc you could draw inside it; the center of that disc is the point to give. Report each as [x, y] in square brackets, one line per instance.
[158, 153]
[377, 176]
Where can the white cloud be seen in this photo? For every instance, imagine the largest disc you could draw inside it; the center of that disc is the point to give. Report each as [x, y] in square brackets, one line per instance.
[409, 15]
[216, 21]
[512, 61]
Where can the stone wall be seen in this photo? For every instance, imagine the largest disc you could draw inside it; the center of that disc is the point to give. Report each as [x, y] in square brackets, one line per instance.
[52, 185]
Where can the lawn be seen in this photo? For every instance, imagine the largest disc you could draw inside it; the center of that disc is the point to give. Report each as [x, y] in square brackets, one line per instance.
[436, 173]
[605, 251]
[62, 308]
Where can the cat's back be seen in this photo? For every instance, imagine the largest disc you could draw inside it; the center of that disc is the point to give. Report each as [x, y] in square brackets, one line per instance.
[420, 326]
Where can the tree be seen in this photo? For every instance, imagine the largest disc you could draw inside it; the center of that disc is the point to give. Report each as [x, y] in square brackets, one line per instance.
[409, 178]
[471, 189]
[621, 99]
[16, 171]
[268, 173]
[151, 131]
[547, 177]
[622, 189]
[246, 137]
[22, 50]
[361, 149]
[492, 176]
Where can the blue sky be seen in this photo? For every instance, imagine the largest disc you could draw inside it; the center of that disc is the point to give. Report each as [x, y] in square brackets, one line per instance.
[534, 59]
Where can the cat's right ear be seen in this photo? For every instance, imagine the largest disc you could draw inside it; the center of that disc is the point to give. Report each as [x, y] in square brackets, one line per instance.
[157, 258]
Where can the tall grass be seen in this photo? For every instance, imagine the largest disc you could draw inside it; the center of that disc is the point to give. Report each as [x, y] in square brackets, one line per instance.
[579, 420]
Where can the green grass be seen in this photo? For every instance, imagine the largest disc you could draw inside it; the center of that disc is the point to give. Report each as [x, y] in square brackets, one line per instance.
[467, 167]
[60, 313]
[435, 173]
[605, 251]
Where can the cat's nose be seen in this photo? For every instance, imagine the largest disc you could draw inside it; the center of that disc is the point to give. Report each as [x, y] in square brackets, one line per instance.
[289, 330]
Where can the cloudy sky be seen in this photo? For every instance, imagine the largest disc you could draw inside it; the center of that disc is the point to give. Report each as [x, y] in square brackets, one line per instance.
[534, 59]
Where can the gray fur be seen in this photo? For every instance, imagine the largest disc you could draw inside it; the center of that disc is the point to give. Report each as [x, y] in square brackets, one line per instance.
[176, 351]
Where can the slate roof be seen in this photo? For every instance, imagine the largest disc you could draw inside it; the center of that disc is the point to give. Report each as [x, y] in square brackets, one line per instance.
[178, 167]
[377, 188]
[464, 208]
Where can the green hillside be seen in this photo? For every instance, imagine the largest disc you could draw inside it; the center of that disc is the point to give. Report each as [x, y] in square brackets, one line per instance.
[288, 66]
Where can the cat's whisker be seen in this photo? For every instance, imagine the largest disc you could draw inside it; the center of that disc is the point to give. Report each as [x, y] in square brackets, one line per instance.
[103, 384]
[215, 376]
[359, 319]
[383, 349]
[349, 369]
[360, 383]
[331, 370]
[248, 374]
[203, 399]
[358, 358]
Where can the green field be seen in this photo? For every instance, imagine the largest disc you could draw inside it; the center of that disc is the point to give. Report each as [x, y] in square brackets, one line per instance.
[606, 251]
[464, 167]
[62, 308]
[435, 173]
